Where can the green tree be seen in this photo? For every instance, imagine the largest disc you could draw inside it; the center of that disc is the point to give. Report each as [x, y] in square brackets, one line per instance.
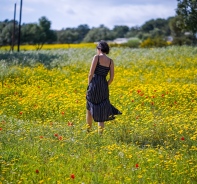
[120, 31]
[47, 35]
[179, 38]
[148, 26]
[155, 28]
[175, 30]
[187, 11]
[38, 34]
[100, 33]
[72, 35]
[133, 32]
[82, 31]
[69, 35]
[6, 32]
[28, 32]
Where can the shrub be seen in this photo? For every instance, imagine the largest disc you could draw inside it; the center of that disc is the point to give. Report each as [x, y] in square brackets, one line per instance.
[133, 43]
[184, 40]
[154, 42]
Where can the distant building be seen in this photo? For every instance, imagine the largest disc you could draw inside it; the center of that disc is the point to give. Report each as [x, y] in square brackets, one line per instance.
[117, 41]
[120, 40]
[169, 38]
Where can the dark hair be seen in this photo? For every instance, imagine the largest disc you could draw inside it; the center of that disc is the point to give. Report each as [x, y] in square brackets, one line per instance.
[103, 46]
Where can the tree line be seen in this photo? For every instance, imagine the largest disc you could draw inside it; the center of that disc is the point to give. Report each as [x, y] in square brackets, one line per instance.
[182, 28]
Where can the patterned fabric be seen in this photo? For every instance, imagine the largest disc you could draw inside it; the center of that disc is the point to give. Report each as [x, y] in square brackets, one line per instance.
[97, 96]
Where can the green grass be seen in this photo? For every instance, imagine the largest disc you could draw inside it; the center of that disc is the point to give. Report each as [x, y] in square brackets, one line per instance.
[43, 136]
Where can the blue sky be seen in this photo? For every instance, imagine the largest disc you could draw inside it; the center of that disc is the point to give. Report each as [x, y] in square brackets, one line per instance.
[72, 13]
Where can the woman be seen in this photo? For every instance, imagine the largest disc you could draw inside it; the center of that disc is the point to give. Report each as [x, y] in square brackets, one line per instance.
[97, 96]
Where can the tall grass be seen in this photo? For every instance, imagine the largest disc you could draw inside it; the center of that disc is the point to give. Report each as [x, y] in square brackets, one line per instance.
[43, 136]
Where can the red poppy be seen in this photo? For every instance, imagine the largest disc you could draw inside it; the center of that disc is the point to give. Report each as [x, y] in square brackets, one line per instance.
[138, 91]
[70, 124]
[60, 138]
[62, 113]
[37, 171]
[72, 176]
[0, 129]
[182, 138]
[41, 137]
[152, 103]
[20, 112]
[136, 165]
[56, 135]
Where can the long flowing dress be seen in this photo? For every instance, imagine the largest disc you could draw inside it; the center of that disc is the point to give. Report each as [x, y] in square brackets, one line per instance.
[97, 96]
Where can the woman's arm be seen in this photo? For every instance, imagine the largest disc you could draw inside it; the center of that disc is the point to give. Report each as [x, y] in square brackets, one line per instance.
[111, 73]
[92, 68]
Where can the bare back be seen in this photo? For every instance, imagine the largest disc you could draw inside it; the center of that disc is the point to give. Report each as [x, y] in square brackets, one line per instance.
[104, 60]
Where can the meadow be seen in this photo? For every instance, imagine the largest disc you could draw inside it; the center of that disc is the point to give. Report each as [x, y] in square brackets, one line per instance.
[43, 137]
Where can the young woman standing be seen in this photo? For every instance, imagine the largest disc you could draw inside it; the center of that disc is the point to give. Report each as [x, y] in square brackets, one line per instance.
[98, 104]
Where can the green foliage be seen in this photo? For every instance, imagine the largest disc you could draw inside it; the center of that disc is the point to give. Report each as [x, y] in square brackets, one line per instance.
[41, 33]
[72, 35]
[96, 34]
[120, 31]
[133, 32]
[179, 37]
[6, 32]
[156, 27]
[184, 40]
[176, 31]
[133, 43]
[187, 11]
[153, 42]
[38, 34]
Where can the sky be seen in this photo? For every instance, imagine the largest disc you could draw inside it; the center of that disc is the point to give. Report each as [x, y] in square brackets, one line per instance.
[72, 13]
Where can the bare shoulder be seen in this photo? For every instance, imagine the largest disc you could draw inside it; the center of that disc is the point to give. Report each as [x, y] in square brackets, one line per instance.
[112, 62]
[95, 59]
[95, 56]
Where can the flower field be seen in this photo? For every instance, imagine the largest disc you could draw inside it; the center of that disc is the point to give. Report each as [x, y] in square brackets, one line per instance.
[43, 136]
[50, 46]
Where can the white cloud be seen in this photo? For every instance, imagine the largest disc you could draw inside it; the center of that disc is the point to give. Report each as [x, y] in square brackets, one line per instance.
[67, 13]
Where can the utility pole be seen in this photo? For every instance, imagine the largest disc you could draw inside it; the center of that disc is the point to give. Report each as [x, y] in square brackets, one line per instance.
[19, 32]
[13, 33]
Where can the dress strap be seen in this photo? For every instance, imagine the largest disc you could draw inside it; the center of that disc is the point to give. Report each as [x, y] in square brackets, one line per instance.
[110, 63]
[98, 60]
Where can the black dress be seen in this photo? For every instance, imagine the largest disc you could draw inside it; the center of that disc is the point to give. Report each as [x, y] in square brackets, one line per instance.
[97, 96]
